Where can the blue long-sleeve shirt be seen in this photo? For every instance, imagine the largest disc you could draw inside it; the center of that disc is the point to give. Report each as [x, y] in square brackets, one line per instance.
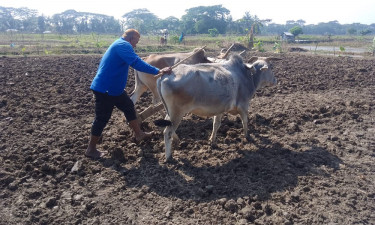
[112, 74]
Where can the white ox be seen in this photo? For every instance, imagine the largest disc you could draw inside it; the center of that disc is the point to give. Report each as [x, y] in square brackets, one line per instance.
[211, 89]
[144, 81]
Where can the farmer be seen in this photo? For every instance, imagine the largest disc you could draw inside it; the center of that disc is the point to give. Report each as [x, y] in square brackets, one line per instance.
[181, 37]
[109, 88]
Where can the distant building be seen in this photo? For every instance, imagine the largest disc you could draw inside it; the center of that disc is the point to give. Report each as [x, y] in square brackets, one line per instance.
[287, 36]
[11, 30]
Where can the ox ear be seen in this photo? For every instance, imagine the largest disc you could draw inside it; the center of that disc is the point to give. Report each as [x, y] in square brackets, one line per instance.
[210, 59]
[264, 68]
[221, 56]
[251, 68]
[252, 59]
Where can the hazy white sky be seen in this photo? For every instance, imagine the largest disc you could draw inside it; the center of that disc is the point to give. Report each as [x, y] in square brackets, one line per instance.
[312, 11]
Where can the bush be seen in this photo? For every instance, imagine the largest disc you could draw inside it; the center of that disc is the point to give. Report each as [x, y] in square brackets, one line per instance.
[174, 39]
[259, 46]
[213, 32]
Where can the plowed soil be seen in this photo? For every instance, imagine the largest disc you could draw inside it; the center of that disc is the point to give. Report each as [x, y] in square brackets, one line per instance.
[310, 159]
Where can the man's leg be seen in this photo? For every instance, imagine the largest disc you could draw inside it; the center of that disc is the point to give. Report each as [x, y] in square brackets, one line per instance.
[125, 104]
[138, 133]
[103, 111]
[91, 150]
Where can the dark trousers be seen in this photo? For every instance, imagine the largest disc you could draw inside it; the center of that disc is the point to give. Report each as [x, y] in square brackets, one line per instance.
[104, 105]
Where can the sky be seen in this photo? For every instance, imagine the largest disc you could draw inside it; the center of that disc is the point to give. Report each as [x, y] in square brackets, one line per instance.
[279, 11]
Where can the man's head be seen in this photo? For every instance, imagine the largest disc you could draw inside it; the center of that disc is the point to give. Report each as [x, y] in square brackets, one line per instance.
[132, 36]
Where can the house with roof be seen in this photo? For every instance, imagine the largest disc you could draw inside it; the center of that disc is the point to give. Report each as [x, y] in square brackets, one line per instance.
[287, 36]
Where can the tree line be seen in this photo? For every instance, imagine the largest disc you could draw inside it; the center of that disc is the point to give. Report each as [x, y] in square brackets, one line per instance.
[213, 20]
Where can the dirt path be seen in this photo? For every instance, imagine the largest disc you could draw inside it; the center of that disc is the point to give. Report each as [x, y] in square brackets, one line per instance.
[310, 161]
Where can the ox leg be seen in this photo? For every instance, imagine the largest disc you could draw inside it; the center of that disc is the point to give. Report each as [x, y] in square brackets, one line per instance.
[156, 100]
[159, 107]
[138, 91]
[175, 137]
[169, 133]
[244, 118]
[153, 88]
[168, 142]
[215, 127]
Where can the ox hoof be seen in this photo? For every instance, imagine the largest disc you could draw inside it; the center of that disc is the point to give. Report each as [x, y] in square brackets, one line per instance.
[214, 145]
[169, 159]
[175, 143]
[248, 139]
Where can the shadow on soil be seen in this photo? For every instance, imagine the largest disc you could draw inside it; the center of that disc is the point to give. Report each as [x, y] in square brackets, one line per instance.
[255, 173]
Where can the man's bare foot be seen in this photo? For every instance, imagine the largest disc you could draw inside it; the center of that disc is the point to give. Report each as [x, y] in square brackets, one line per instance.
[143, 136]
[94, 154]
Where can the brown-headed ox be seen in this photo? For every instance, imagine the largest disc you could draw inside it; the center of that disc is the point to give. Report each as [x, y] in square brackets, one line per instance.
[144, 81]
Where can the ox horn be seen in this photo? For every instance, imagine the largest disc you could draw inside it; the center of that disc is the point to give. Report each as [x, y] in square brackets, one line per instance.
[264, 68]
[272, 58]
[252, 59]
[223, 56]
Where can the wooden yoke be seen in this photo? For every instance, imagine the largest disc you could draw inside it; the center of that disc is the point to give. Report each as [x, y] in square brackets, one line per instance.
[159, 106]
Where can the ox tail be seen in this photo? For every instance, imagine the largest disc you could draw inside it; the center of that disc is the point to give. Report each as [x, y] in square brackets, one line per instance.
[162, 122]
[138, 82]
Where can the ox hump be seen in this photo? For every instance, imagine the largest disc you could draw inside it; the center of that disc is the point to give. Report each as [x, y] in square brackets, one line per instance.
[235, 59]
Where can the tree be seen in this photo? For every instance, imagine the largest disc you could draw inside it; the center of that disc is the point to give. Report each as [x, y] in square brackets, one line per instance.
[242, 25]
[41, 24]
[351, 31]
[171, 23]
[296, 30]
[255, 29]
[142, 20]
[201, 19]
[196, 20]
[301, 22]
[65, 21]
[72, 21]
[365, 32]
[22, 19]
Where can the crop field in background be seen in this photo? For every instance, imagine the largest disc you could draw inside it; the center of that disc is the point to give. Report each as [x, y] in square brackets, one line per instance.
[13, 44]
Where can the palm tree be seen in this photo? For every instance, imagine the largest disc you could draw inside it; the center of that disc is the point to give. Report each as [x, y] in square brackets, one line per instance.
[256, 25]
